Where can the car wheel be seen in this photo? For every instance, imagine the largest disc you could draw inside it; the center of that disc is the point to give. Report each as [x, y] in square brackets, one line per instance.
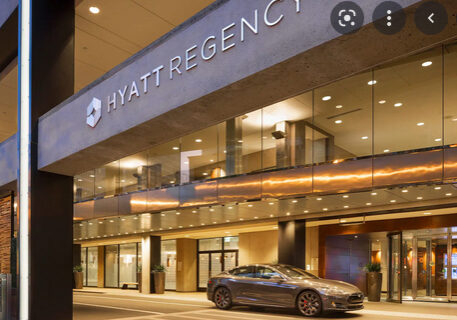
[223, 298]
[309, 304]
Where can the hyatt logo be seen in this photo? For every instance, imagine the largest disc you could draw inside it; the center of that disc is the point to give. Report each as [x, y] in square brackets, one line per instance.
[94, 112]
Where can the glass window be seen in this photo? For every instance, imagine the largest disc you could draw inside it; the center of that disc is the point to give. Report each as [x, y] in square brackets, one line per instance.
[450, 94]
[287, 132]
[92, 266]
[210, 244]
[168, 259]
[342, 126]
[294, 272]
[84, 265]
[127, 263]
[134, 172]
[163, 164]
[247, 272]
[84, 185]
[408, 103]
[112, 266]
[230, 243]
[107, 180]
[266, 273]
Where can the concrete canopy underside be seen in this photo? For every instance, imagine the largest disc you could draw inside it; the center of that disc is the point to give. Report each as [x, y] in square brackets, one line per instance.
[277, 63]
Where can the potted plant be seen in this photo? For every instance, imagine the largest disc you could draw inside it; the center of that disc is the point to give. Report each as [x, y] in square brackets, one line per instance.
[158, 277]
[78, 277]
[374, 281]
[138, 277]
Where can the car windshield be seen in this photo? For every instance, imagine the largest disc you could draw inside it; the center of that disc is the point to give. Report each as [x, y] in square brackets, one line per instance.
[294, 272]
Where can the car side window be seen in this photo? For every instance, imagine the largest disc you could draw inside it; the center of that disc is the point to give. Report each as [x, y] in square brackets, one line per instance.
[247, 272]
[266, 273]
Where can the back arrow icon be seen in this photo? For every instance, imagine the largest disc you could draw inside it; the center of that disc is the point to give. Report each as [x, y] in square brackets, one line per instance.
[430, 18]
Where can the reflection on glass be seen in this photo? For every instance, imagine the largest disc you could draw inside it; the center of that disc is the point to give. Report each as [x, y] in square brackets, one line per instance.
[203, 269]
[107, 180]
[84, 185]
[127, 263]
[230, 243]
[168, 260]
[163, 164]
[408, 103]
[134, 172]
[84, 265]
[450, 94]
[111, 266]
[92, 266]
[210, 244]
[342, 119]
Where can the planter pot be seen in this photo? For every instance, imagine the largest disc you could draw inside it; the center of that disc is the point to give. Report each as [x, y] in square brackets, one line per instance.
[374, 285]
[138, 277]
[78, 280]
[159, 282]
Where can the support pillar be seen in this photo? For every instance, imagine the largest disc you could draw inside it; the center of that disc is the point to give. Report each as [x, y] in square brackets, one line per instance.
[186, 266]
[150, 251]
[291, 243]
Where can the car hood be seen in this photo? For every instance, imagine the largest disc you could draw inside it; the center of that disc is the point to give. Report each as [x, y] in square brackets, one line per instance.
[324, 283]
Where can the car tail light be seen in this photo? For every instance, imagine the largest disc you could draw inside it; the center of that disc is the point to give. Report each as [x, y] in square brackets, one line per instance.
[210, 282]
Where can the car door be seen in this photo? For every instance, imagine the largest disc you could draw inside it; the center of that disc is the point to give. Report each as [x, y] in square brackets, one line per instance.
[241, 284]
[272, 288]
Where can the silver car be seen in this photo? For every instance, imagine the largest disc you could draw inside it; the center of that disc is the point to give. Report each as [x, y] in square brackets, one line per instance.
[282, 286]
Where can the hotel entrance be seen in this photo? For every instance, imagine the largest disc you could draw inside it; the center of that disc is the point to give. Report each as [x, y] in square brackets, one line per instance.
[429, 270]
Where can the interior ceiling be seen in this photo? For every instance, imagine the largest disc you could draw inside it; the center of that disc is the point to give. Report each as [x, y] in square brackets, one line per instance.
[192, 220]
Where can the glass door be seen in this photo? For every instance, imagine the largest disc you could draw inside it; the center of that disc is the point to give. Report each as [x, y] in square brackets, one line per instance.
[230, 260]
[395, 268]
[452, 274]
[203, 270]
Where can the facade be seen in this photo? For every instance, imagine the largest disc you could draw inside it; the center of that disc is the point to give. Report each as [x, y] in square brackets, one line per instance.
[235, 132]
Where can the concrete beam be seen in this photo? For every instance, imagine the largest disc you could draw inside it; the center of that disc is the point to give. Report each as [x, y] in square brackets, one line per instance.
[302, 51]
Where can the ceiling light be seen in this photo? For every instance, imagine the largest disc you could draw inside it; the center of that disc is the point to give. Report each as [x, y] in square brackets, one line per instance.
[306, 211]
[325, 209]
[438, 139]
[386, 150]
[420, 124]
[229, 207]
[393, 201]
[211, 160]
[319, 199]
[175, 148]
[272, 215]
[368, 203]
[178, 213]
[372, 82]
[240, 141]
[172, 182]
[339, 106]
[437, 188]
[338, 121]
[382, 101]
[271, 203]
[448, 194]
[404, 191]
[122, 181]
[427, 64]
[345, 207]
[211, 210]
[399, 104]
[198, 140]
[454, 119]
[99, 187]
[345, 196]
[80, 180]
[256, 217]
[163, 214]
[92, 176]
[180, 227]
[419, 198]
[241, 219]
[294, 201]
[374, 194]
[288, 214]
[364, 138]
[250, 205]
[326, 98]
[194, 211]
[427, 213]
[94, 10]
[205, 173]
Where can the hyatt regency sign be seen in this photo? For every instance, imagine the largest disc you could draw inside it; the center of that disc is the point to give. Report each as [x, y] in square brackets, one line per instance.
[207, 49]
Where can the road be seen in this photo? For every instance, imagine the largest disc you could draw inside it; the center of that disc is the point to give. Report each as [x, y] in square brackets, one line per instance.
[96, 306]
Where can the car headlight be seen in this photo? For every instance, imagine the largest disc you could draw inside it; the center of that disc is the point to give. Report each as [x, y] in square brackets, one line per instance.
[332, 291]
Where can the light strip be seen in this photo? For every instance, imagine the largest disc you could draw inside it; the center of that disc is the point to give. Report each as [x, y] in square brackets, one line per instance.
[24, 157]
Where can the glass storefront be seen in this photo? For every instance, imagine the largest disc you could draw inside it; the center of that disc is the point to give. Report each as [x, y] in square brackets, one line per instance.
[214, 256]
[168, 260]
[403, 106]
[92, 267]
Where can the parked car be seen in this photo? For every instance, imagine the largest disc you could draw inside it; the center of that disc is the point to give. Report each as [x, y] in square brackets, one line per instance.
[284, 286]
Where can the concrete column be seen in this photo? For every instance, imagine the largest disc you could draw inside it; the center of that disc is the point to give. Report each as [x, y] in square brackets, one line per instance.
[51, 195]
[291, 243]
[150, 256]
[101, 267]
[186, 266]
[234, 145]
[76, 255]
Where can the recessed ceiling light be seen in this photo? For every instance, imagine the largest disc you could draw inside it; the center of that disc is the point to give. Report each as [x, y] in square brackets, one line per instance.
[241, 219]
[368, 203]
[325, 209]
[393, 201]
[420, 198]
[339, 106]
[398, 104]
[294, 201]
[437, 188]
[345, 207]
[382, 101]
[163, 214]
[92, 176]
[250, 205]
[211, 210]
[272, 215]
[80, 180]
[346, 196]
[427, 64]
[271, 203]
[205, 173]
[386, 150]
[319, 199]
[94, 10]
[175, 148]
[100, 187]
[364, 138]
[211, 160]
[454, 119]
[178, 213]
[306, 211]
[256, 217]
[448, 194]
[326, 98]
[198, 140]
[372, 82]
[194, 211]
[230, 208]
[420, 124]
[338, 121]
[404, 191]
[288, 214]
[438, 139]
[427, 213]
